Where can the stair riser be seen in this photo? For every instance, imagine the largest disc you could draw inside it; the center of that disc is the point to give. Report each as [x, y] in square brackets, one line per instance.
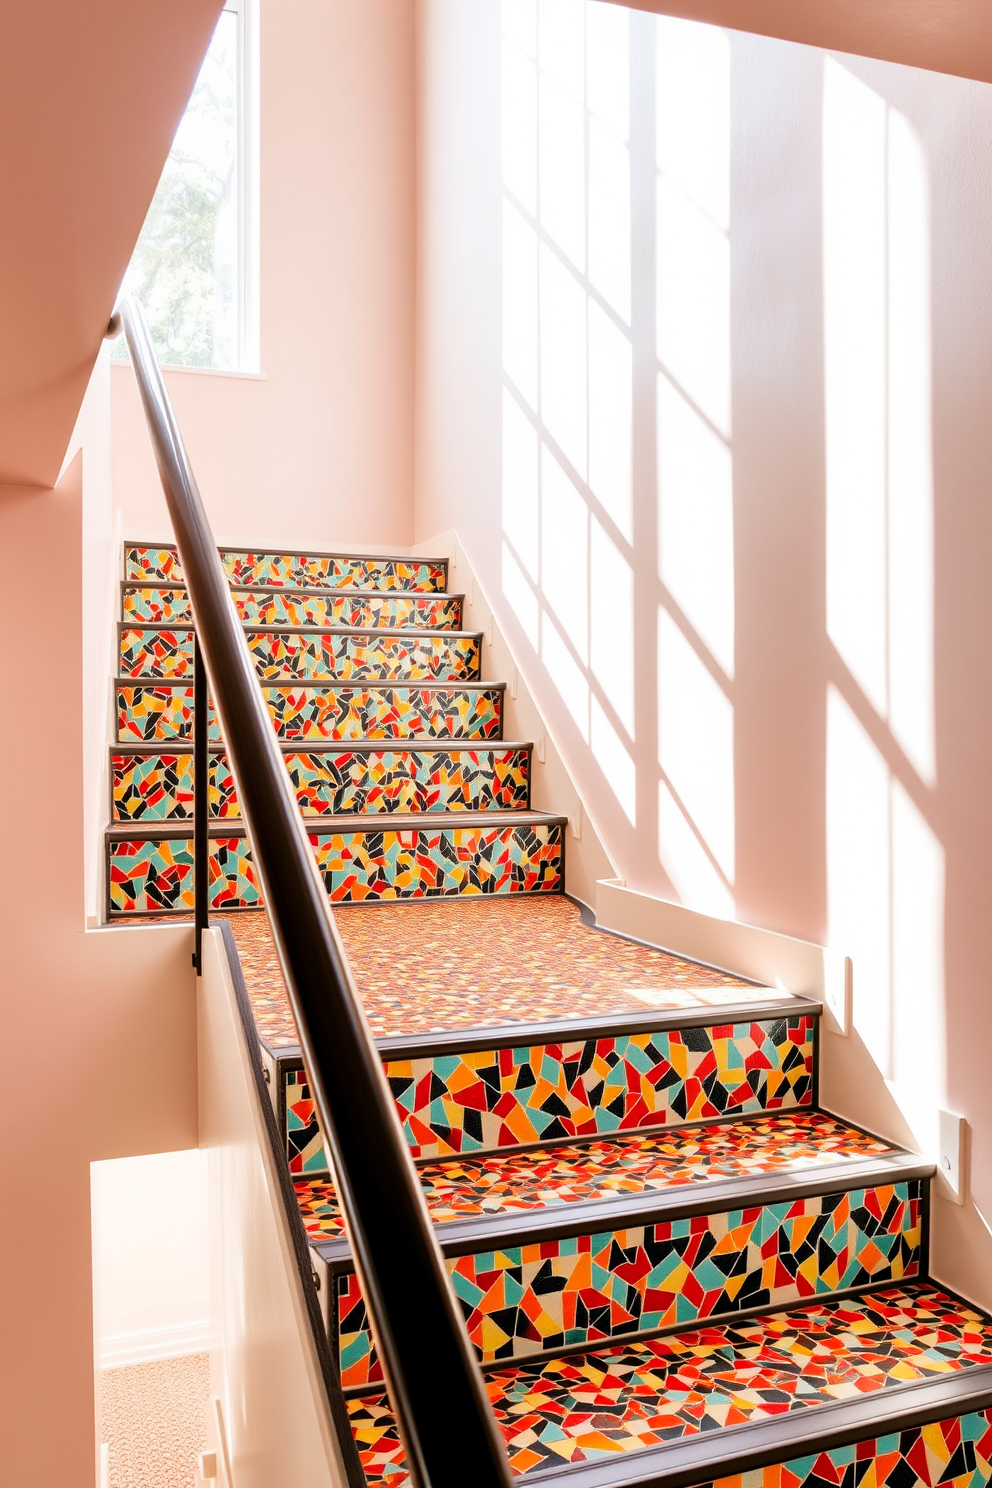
[293, 570]
[159, 787]
[955, 1452]
[165, 605]
[481, 1101]
[156, 876]
[168, 653]
[593, 1289]
[158, 713]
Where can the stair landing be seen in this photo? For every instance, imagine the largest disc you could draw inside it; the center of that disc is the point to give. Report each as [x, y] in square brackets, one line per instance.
[429, 967]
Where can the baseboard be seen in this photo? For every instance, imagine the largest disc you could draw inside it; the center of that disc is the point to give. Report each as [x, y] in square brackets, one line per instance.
[142, 1346]
[770, 958]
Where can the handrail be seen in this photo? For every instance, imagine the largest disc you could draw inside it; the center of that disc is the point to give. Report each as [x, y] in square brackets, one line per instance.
[434, 1383]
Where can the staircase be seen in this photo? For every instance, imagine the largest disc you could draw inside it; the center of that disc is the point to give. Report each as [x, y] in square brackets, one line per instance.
[675, 1268]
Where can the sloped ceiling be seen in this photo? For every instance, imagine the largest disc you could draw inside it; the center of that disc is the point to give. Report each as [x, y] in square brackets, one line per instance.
[91, 92]
[952, 36]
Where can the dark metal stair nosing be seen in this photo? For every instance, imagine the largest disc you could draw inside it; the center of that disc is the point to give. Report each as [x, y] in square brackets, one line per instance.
[355, 684]
[689, 1201]
[172, 585]
[403, 632]
[798, 1433]
[419, 745]
[272, 552]
[385, 821]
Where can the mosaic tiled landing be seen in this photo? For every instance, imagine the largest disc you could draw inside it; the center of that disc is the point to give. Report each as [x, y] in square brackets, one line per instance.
[148, 876]
[524, 1181]
[159, 787]
[423, 967]
[642, 1394]
[586, 1289]
[155, 712]
[168, 604]
[293, 570]
[413, 656]
[486, 1099]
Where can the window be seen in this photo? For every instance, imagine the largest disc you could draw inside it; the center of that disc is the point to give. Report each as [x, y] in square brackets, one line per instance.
[194, 267]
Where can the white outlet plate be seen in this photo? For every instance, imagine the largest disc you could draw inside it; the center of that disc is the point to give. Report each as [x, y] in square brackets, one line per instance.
[950, 1156]
[838, 992]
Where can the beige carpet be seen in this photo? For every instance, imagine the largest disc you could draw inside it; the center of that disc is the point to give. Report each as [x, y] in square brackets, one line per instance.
[154, 1419]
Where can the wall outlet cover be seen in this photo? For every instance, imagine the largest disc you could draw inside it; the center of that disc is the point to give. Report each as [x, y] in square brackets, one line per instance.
[950, 1156]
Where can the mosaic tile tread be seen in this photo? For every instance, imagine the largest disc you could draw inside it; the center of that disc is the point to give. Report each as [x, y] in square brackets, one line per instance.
[641, 1394]
[786, 1143]
[159, 787]
[481, 1100]
[293, 570]
[155, 712]
[425, 967]
[416, 656]
[149, 875]
[587, 1289]
[168, 604]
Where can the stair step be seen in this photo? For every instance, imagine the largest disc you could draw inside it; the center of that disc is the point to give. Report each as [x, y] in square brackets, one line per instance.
[150, 868]
[501, 1188]
[482, 1090]
[308, 710]
[160, 561]
[149, 783]
[449, 970]
[168, 604]
[792, 1391]
[164, 651]
[715, 1221]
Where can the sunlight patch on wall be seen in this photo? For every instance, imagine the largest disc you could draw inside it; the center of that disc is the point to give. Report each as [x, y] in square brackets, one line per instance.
[885, 893]
[879, 473]
[696, 745]
[567, 363]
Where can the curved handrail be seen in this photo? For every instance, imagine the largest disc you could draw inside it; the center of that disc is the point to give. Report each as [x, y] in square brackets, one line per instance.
[434, 1384]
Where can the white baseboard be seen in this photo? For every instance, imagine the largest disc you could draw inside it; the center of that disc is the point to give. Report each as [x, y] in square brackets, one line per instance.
[775, 960]
[144, 1345]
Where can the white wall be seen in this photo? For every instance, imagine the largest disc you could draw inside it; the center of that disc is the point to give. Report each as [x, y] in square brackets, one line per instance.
[318, 450]
[719, 452]
[151, 1257]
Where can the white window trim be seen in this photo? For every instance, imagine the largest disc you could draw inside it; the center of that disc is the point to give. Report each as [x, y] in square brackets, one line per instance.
[249, 349]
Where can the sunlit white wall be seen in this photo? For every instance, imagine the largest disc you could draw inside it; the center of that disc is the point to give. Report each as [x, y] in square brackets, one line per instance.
[885, 863]
[567, 370]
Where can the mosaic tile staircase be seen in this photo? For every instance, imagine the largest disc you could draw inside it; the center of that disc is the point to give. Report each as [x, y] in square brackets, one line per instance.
[391, 738]
[674, 1266]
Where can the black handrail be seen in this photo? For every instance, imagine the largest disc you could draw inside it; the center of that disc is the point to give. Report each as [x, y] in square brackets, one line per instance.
[434, 1383]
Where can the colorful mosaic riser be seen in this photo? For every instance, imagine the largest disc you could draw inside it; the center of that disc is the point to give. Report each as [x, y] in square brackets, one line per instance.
[156, 875]
[169, 605]
[340, 655]
[640, 1394]
[157, 712]
[538, 1178]
[159, 787]
[467, 1102]
[297, 570]
[953, 1453]
[593, 1288]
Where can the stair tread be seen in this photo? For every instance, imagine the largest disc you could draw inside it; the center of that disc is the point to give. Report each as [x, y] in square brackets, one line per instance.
[333, 746]
[174, 586]
[649, 1396]
[525, 1181]
[426, 968]
[400, 632]
[454, 684]
[395, 821]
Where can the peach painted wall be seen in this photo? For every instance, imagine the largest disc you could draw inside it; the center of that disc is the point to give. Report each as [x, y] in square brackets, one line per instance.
[319, 449]
[100, 1024]
[759, 620]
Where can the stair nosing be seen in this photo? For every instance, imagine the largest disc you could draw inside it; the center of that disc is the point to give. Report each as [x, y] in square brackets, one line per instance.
[455, 684]
[402, 631]
[476, 1234]
[393, 821]
[419, 745]
[735, 1450]
[174, 584]
[263, 551]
